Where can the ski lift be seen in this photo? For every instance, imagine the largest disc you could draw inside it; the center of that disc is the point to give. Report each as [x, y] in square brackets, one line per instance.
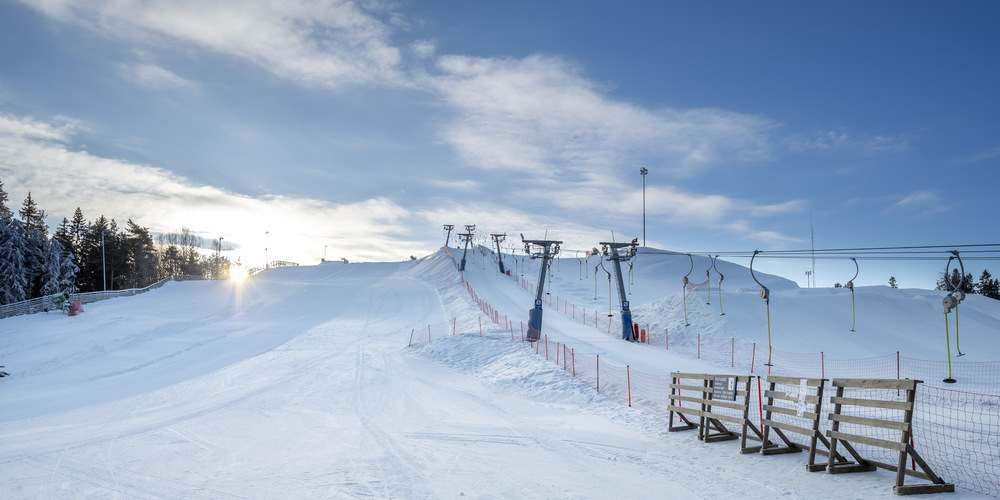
[850, 286]
[714, 259]
[766, 295]
[951, 301]
[684, 290]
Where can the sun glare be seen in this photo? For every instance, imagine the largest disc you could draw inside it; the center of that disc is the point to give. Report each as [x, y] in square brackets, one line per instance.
[238, 273]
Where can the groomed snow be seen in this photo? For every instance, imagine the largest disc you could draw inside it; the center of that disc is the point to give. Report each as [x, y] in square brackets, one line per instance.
[299, 384]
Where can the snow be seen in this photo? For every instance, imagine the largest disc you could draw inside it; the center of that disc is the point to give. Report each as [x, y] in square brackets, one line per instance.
[299, 383]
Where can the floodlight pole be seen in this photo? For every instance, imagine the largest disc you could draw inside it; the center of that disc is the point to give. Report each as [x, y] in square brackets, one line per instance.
[643, 172]
[104, 266]
[497, 238]
[548, 249]
[447, 239]
[218, 260]
[611, 252]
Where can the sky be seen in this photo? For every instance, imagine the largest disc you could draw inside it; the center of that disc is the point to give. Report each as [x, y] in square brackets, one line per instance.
[335, 129]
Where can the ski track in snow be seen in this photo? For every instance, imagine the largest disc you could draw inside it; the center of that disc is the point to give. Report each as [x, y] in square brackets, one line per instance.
[298, 384]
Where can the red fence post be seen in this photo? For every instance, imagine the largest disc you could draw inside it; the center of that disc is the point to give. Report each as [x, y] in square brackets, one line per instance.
[666, 338]
[480, 326]
[598, 373]
[628, 382]
[546, 348]
[454, 325]
[428, 333]
[573, 354]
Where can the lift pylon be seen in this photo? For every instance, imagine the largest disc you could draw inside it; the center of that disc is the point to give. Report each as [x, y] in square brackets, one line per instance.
[546, 250]
[448, 228]
[497, 238]
[466, 237]
[618, 252]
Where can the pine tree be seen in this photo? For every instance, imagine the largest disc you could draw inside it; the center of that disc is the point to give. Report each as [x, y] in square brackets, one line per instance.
[5, 213]
[988, 286]
[892, 283]
[13, 272]
[32, 216]
[51, 269]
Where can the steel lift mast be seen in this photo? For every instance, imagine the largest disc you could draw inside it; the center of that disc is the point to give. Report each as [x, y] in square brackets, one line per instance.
[497, 238]
[466, 237]
[547, 249]
[618, 252]
[447, 239]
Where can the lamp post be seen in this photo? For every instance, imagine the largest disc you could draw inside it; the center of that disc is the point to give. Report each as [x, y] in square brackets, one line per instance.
[643, 172]
[104, 266]
[324, 253]
[218, 259]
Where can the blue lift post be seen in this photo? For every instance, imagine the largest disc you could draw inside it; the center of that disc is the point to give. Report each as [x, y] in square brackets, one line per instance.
[497, 238]
[466, 237]
[547, 250]
[618, 252]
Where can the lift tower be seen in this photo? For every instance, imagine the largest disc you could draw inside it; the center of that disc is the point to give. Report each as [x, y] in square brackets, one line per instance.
[618, 252]
[466, 237]
[447, 239]
[497, 238]
[546, 250]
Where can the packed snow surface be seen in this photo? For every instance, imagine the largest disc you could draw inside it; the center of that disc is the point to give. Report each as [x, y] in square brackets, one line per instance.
[299, 383]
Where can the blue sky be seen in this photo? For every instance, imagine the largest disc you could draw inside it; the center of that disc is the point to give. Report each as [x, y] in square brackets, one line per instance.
[359, 128]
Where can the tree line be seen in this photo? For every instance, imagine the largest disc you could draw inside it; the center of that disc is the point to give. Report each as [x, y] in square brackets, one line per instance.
[85, 256]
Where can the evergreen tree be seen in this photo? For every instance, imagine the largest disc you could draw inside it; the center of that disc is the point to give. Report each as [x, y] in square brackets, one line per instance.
[32, 216]
[5, 213]
[967, 284]
[988, 286]
[77, 229]
[13, 272]
[48, 281]
[141, 262]
[892, 283]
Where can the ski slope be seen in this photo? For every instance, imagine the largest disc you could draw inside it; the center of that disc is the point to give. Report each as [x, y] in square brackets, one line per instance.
[299, 383]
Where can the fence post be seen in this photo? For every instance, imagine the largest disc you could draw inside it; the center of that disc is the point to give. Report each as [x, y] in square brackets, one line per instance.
[822, 365]
[666, 338]
[628, 382]
[411, 336]
[428, 333]
[699, 346]
[732, 354]
[573, 354]
[753, 356]
[454, 325]
[480, 326]
[546, 348]
[598, 373]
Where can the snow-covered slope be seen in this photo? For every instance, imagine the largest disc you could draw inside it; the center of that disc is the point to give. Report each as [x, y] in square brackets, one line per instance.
[298, 383]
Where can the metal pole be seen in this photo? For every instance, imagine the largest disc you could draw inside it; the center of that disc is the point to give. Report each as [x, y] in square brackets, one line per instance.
[104, 267]
[643, 172]
[267, 263]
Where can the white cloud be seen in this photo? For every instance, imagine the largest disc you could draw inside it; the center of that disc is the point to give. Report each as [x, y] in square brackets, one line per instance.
[34, 158]
[325, 43]
[843, 141]
[924, 201]
[537, 115]
[154, 77]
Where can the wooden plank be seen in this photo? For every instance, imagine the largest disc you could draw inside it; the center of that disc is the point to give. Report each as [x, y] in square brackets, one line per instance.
[788, 427]
[687, 411]
[871, 422]
[811, 382]
[694, 376]
[880, 443]
[923, 488]
[782, 395]
[696, 388]
[727, 418]
[882, 383]
[732, 405]
[790, 412]
[692, 399]
[873, 403]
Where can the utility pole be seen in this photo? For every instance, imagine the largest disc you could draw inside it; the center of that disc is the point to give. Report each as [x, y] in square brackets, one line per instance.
[104, 266]
[546, 250]
[643, 172]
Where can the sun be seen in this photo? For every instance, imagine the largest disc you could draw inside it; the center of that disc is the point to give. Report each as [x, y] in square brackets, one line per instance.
[238, 273]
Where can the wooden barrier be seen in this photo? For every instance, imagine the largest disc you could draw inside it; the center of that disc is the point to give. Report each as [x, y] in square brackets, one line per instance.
[801, 410]
[841, 415]
[708, 403]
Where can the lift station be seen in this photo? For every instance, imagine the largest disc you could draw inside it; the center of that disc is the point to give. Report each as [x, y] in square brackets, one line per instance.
[466, 237]
[497, 238]
[545, 250]
[618, 252]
